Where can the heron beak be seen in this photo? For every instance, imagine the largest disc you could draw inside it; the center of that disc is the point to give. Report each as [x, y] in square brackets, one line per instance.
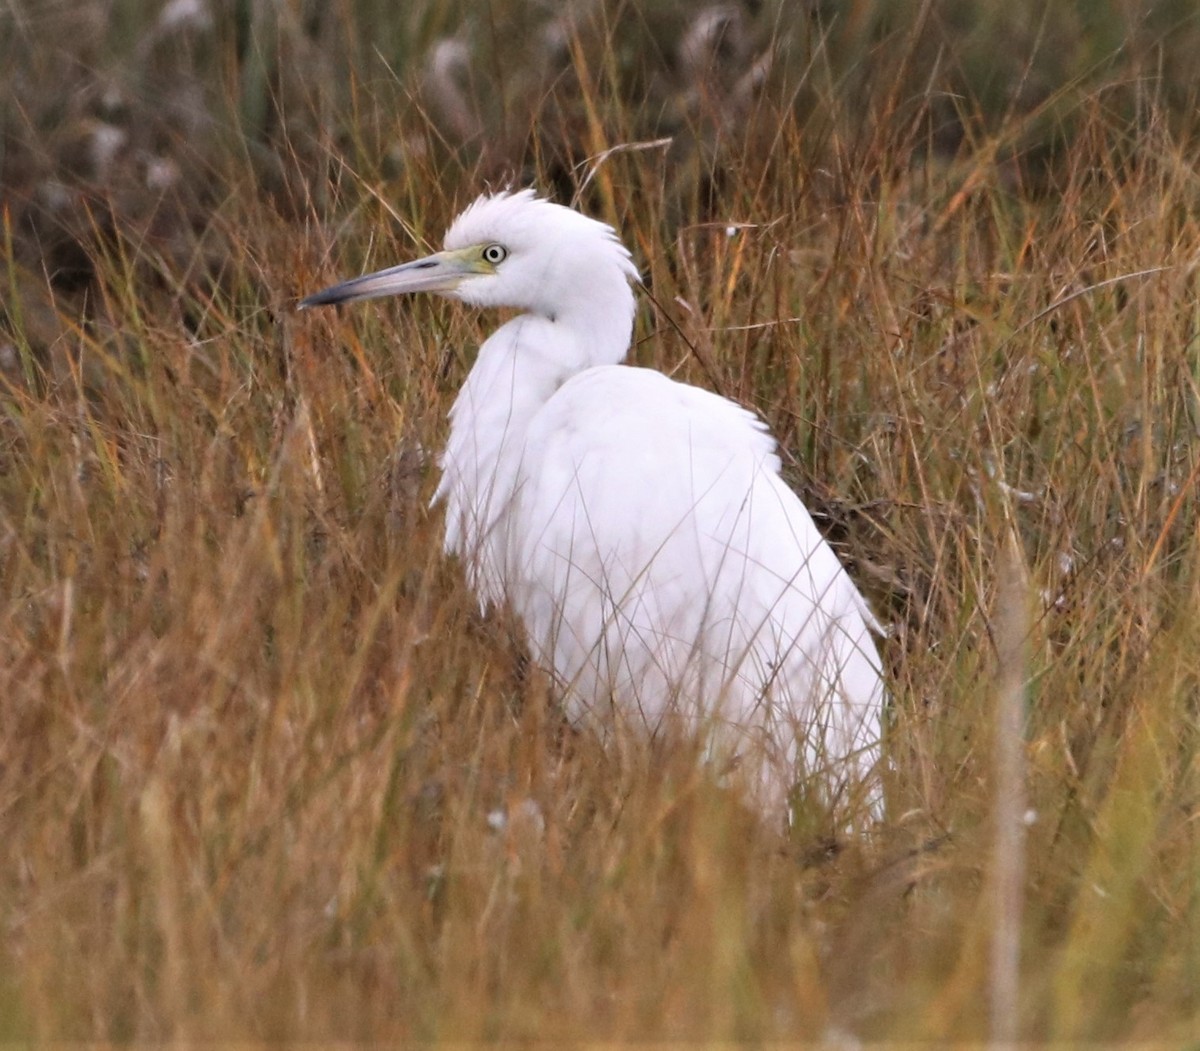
[440, 272]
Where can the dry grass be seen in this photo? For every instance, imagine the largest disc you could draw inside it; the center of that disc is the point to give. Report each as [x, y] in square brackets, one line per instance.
[265, 772]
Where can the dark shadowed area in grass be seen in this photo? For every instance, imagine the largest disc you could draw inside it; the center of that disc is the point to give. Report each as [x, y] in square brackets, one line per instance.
[266, 771]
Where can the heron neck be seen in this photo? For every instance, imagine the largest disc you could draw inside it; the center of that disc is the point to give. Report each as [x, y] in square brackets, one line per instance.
[517, 371]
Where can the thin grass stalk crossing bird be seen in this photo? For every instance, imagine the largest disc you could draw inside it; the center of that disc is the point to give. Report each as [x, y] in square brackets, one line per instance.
[639, 527]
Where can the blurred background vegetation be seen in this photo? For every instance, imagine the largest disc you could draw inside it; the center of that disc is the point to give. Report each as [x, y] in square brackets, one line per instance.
[118, 115]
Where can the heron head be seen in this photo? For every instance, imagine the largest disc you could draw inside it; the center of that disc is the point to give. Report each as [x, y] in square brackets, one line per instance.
[508, 249]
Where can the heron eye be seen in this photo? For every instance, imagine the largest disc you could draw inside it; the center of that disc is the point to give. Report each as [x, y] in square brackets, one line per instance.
[495, 254]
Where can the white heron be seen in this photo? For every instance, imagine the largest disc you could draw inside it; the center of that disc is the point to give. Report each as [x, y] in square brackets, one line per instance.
[639, 527]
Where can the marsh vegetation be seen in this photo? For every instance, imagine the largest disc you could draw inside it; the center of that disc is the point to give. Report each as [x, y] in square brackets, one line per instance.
[267, 772]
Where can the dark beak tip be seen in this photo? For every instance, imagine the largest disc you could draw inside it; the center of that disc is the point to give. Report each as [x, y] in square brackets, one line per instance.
[317, 299]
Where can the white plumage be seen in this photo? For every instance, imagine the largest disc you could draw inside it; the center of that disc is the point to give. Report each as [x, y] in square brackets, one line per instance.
[638, 526]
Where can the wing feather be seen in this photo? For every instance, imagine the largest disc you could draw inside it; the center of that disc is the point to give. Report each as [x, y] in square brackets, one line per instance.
[658, 560]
